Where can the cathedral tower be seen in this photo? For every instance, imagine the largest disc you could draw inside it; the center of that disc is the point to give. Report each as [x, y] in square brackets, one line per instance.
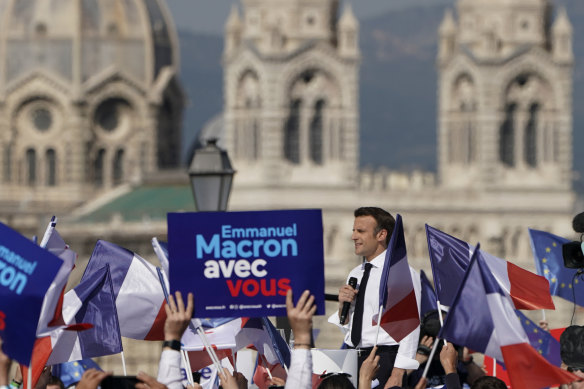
[505, 96]
[291, 93]
[89, 99]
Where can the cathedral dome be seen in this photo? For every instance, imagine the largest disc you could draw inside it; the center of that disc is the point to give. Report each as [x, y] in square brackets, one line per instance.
[78, 40]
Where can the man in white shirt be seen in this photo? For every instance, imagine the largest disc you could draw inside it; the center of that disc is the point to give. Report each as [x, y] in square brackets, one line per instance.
[372, 230]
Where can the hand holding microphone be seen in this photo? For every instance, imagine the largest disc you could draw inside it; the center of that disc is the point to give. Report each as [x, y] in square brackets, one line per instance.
[346, 295]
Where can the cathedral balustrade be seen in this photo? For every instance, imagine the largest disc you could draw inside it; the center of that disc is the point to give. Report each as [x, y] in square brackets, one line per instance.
[383, 179]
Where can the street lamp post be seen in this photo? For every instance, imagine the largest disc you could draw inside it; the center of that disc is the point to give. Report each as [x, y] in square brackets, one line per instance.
[211, 176]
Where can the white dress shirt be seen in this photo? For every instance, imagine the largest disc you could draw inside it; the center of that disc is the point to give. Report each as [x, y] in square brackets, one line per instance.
[407, 347]
[300, 372]
[169, 371]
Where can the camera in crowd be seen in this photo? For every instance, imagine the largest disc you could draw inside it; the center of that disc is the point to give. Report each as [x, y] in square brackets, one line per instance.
[573, 252]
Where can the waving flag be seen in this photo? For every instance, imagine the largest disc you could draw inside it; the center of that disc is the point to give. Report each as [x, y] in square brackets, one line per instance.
[482, 318]
[51, 313]
[541, 340]
[161, 250]
[428, 296]
[549, 262]
[397, 296]
[93, 301]
[139, 295]
[70, 372]
[450, 257]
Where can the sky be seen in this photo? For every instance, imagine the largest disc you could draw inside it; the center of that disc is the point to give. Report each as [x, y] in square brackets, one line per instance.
[208, 16]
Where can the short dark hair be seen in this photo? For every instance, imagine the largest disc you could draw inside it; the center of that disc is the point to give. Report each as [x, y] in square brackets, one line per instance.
[54, 380]
[336, 381]
[383, 218]
[488, 382]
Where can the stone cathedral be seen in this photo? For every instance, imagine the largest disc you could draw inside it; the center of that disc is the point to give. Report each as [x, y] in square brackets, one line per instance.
[90, 108]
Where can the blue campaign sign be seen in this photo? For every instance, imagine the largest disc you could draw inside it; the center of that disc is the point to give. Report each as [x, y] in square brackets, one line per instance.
[242, 263]
[26, 272]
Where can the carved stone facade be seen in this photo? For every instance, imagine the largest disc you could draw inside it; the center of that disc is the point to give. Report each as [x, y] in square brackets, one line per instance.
[89, 100]
[504, 127]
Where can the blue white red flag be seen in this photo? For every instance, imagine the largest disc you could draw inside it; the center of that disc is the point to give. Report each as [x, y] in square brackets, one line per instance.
[139, 294]
[549, 263]
[400, 315]
[429, 300]
[483, 319]
[450, 258]
[51, 312]
[93, 301]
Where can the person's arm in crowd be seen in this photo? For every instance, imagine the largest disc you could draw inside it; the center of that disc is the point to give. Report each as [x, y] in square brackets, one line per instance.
[235, 381]
[369, 369]
[449, 360]
[5, 364]
[178, 318]
[300, 318]
[423, 351]
[91, 379]
[473, 370]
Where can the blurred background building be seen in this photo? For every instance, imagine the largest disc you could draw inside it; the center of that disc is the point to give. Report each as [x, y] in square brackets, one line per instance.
[91, 107]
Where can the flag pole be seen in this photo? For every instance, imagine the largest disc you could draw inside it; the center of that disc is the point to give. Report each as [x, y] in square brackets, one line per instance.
[187, 362]
[440, 316]
[123, 363]
[378, 324]
[543, 314]
[267, 367]
[29, 376]
[431, 356]
[48, 232]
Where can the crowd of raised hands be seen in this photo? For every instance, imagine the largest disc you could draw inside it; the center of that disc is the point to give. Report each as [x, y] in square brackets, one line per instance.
[178, 317]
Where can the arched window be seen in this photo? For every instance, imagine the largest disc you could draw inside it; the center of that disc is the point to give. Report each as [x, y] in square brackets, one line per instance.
[51, 166]
[316, 133]
[98, 165]
[507, 137]
[31, 166]
[292, 133]
[531, 136]
[118, 167]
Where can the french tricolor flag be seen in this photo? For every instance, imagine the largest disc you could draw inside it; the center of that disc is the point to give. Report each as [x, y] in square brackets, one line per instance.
[92, 301]
[51, 317]
[450, 257]
[220, 337]
[400, 315]
[137, 289]
[482, 318]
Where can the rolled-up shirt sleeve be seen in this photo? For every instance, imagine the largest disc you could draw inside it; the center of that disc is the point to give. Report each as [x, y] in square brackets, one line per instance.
[169, 372]
[300, 372]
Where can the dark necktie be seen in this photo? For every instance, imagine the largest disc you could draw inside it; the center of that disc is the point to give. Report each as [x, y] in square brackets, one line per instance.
[357, 325]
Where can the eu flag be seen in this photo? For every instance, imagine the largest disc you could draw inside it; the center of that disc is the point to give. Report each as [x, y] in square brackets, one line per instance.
[549, 262]
[541, 340]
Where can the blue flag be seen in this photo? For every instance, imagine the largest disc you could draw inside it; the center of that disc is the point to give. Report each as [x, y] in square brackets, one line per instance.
[549, 262]
[429, 300]
[545, 344]
[71, 372]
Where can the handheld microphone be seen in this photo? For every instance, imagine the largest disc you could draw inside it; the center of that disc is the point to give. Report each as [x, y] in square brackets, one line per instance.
[346, 305]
